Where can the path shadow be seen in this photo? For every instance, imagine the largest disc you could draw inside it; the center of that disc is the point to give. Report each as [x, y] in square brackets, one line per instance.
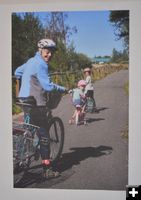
[29, 177]
[78, 154]
[33, 178]
[90, 120]
[97, 110]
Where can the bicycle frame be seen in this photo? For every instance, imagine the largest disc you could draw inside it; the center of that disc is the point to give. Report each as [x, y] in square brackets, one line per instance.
[25, 136]
[80, 115]
[25, 143]
[29, 139]
[28, 132]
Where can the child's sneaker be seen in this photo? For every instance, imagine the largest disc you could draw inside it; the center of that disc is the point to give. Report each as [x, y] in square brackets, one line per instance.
[71, 121]
[49, 173]
[85, 122]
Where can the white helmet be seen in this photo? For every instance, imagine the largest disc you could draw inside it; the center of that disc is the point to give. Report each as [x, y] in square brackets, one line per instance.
[46, 43]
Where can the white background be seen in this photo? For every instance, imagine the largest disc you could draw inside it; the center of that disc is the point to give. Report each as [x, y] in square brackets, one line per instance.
[6, 180]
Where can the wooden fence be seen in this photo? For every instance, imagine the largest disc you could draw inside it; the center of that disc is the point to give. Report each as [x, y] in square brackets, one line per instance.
[69, 79]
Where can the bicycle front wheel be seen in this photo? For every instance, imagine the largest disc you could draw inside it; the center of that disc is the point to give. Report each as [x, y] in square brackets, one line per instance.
[56, 133]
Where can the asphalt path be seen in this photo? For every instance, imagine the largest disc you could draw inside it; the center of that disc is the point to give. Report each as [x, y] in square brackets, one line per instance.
[95, 156]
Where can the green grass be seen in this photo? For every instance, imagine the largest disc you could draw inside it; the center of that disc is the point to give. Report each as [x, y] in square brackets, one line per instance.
[125, 133]
[69, 80]
[16, 109]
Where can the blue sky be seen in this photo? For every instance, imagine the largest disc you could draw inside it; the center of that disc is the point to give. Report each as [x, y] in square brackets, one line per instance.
[95, 36]
[95, 33]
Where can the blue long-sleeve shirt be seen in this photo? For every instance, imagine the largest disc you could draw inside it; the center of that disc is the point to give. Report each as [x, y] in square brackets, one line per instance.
[35, 79]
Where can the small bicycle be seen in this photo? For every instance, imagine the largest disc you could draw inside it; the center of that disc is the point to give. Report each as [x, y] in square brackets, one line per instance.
[25, 136]
[80, 115]
[88, 106]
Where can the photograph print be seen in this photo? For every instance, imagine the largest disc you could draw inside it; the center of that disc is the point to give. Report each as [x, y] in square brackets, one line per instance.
[70, 99]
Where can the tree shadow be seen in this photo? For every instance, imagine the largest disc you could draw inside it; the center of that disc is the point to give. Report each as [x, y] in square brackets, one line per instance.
[90, 120]
[97, 110]
[81, 153]
[29, 177]
[64, 165]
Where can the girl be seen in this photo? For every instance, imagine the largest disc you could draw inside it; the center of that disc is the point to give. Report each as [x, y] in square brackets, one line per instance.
[78, 99]
[89, 91]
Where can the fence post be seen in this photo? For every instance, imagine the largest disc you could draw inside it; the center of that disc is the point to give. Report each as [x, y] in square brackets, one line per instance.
[17, 87]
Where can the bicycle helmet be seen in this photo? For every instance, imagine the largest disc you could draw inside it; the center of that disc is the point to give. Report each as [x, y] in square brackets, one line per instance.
[81, 83]
[46, 43]
[78, 106]
[87, 69]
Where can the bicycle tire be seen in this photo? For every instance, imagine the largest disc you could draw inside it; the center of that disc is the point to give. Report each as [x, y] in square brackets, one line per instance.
[56, 134]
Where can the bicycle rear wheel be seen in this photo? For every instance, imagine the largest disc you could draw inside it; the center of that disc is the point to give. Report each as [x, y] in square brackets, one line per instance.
[22, 148]
[56, 133]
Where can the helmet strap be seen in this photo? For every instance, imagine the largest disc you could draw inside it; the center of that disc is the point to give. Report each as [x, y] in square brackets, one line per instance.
[40, 50]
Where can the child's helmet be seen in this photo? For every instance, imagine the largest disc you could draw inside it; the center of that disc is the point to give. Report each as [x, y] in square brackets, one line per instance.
[87, 69]
[81, 83]
[78, 106]
[46, 43]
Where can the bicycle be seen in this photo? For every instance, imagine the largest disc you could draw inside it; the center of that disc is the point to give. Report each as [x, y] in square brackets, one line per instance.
[25, 135]
[91, 104]
[80, 115]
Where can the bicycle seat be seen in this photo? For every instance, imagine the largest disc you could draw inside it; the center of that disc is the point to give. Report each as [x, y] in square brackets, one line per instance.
[27, 101]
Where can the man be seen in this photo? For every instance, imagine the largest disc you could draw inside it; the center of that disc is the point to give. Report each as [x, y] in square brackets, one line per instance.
[35, 82]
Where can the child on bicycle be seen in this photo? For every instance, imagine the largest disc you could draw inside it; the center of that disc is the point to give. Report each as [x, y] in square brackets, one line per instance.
[36, 82]
[78, 99]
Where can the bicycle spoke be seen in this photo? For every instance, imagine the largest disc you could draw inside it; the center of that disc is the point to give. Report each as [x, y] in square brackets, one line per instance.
[55, 132]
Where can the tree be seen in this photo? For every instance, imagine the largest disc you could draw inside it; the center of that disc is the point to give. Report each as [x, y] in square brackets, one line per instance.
[26, 31]
[115, 55]
[60, 60]
[17, 29]
[57, 29]
[119, 56]
[125, 55]
[82, 61]
[120, 20]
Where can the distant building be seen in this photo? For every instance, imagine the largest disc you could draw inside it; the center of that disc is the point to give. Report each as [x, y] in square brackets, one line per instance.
[101, 60]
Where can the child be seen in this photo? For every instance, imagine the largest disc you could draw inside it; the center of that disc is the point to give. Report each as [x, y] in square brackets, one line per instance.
[78, 99]
[89, 89]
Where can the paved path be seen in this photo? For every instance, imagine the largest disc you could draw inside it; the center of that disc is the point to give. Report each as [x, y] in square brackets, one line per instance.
[95, 156]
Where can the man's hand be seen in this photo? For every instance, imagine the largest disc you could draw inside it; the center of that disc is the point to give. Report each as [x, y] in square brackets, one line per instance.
[66, 91]
[69, 91]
